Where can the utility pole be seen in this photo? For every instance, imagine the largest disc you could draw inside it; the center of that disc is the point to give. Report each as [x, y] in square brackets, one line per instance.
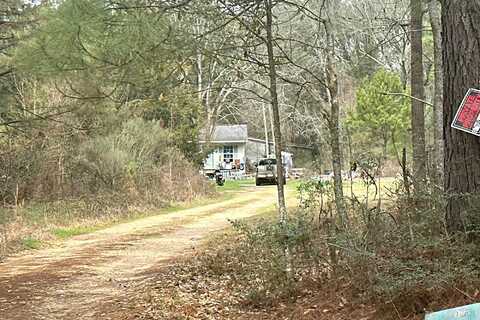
[267, 147]
[272, 126]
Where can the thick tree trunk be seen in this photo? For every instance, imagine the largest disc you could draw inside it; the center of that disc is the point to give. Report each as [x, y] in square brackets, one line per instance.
[435, 11]
[461, 57]
[282, 208]
[332, 90]
[418, 117]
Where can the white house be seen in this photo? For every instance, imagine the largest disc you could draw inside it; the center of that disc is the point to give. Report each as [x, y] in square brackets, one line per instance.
[233, 151]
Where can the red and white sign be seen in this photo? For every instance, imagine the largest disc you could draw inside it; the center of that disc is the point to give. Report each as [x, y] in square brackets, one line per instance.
[468, 115]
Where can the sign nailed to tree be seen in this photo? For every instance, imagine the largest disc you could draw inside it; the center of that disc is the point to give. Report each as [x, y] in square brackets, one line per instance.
[468, 115]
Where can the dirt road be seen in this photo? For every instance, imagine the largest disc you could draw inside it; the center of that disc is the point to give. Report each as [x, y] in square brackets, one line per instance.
[76, 279]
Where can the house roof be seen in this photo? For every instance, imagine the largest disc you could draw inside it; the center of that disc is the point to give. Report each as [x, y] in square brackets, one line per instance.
[288, 145]
[259, 140]
[230, 133]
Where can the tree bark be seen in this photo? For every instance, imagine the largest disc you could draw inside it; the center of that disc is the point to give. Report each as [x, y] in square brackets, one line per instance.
[282, 208]
[435, 11]
[334, 120]
[461, 57]
[418, 92]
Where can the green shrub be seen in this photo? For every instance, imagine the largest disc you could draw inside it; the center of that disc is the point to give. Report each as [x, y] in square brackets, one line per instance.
[274, 257]
[403, 255]
[112, 161]
[31, 243]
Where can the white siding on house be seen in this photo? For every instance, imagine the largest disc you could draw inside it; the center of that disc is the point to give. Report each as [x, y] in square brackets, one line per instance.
[240, 153]
[210, 161]
[246, 150]
[218, 156]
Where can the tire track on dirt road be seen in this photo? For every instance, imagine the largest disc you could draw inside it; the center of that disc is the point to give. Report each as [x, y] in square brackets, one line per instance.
[90, 270]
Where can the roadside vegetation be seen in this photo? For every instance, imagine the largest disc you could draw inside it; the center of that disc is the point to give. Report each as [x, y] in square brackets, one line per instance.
[74, 158]
[369, 270]
[37, 226]
[61, 181]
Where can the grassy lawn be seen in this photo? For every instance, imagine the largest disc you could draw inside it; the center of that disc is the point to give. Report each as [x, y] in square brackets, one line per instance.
[65, 233]
[31, 243]
[235, 185]
[293, 184]
[359, 189]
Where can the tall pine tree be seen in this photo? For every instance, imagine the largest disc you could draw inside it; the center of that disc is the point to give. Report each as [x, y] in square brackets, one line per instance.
[461, 46]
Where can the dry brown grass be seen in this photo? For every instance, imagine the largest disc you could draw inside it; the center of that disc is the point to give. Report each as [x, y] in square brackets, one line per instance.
[41, 223]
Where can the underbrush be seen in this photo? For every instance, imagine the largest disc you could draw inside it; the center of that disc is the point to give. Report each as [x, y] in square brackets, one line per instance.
[399, 255]
[43, 222]
[402, 259]
[65, 184]
[260, 270]
[395, 262]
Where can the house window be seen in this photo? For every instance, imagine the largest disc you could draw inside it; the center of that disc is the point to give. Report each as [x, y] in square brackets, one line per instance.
[228, 154]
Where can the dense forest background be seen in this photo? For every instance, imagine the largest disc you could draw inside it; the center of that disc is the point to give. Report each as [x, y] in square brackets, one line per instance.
[79, 77]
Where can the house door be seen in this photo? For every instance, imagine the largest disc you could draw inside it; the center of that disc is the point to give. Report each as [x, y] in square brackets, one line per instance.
[228, 152]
